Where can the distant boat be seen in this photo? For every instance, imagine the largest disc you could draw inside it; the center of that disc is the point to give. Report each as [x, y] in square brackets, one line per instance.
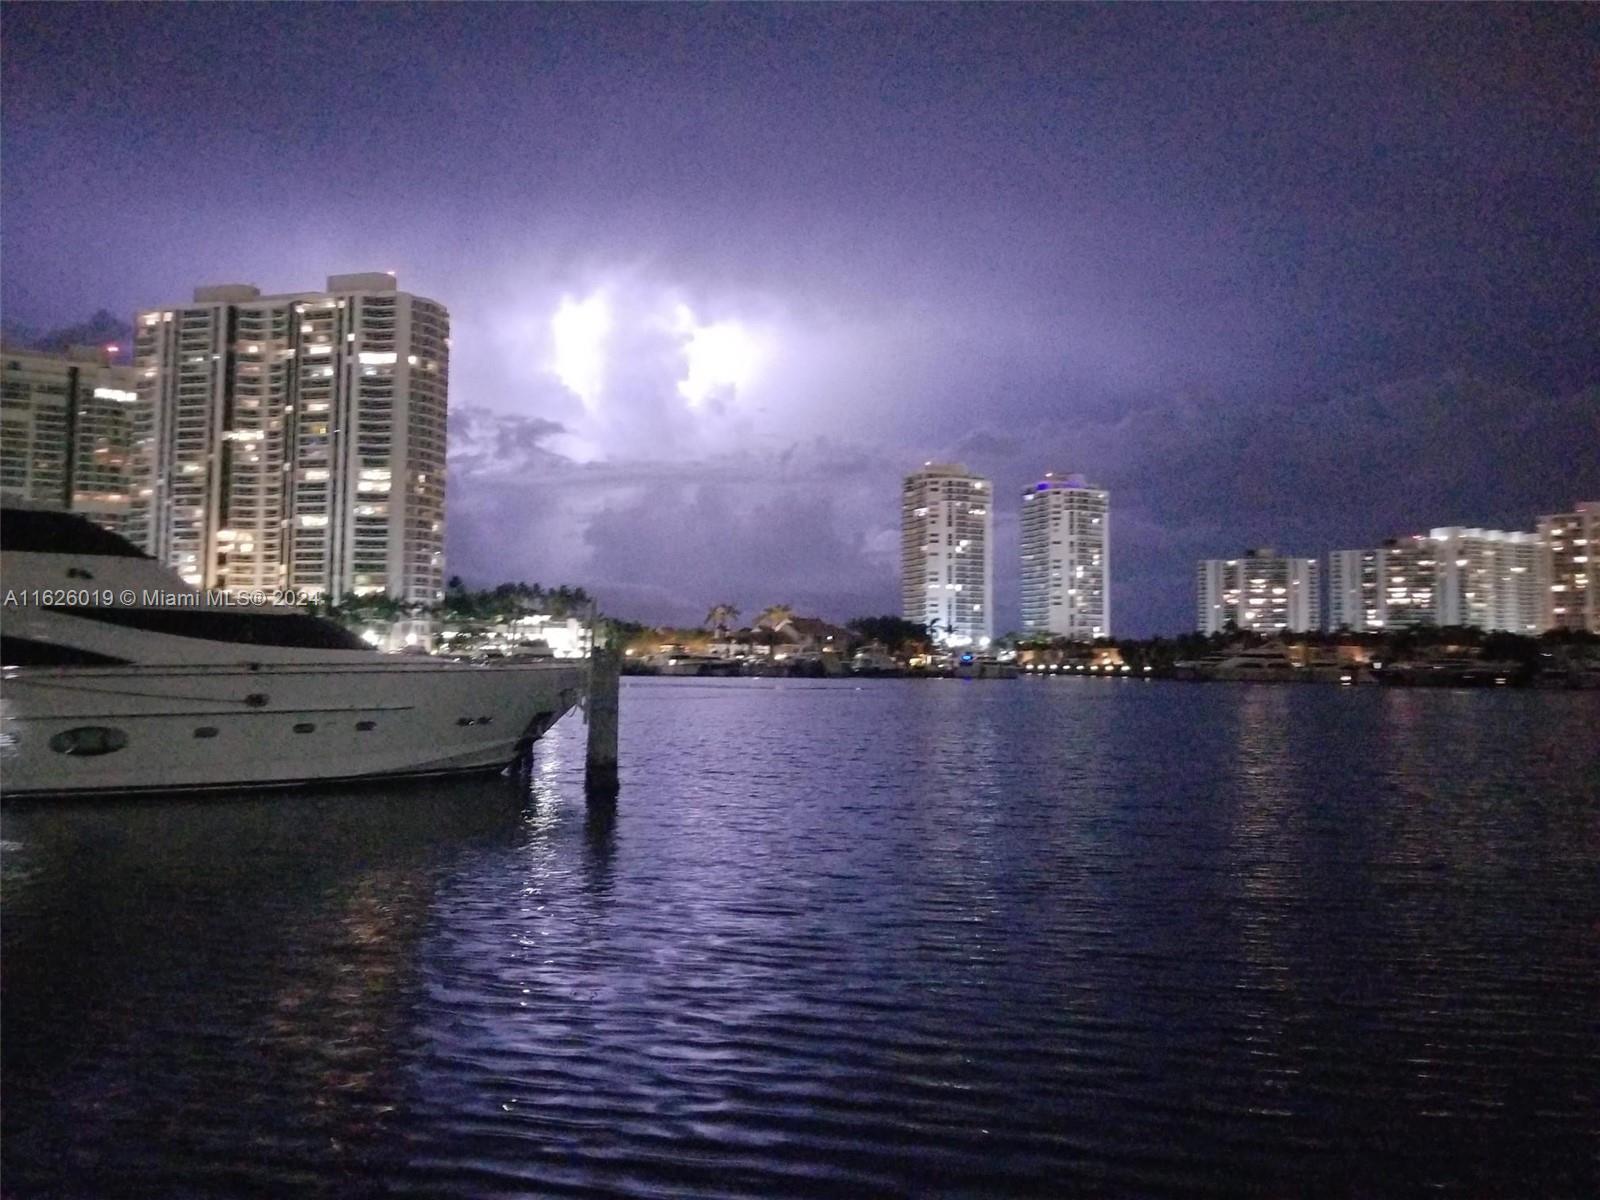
[872, 661]
[1257, 663]
[538, 648]
[1449, 672]
[696, 665]
[983, 666]
[119, 677]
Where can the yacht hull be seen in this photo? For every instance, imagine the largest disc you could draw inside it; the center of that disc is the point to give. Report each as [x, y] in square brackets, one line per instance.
[75, 731]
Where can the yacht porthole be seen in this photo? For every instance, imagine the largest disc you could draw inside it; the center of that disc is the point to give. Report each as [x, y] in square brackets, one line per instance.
[305, 727]
[366, 726]
[206, 731]
[256, 700]
[88, 740]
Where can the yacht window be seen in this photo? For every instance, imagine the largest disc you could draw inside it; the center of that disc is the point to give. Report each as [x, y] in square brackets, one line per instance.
[206, 731]
[366, 726]
[292, 629]
[30, 652]
[305, 727]
[88, 740]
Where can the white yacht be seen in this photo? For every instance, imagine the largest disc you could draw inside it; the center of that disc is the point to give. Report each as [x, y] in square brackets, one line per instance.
[1245, 664]
[120, 678]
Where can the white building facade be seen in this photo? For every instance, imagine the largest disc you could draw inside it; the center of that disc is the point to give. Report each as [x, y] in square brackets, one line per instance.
[296, 441]
[67, 428]
[946, 556]
[1488, 578]
[1355, 590]
[1568, 569]
[1066, 559]
[1409, 569]
[1449, 576]
[1261, 592]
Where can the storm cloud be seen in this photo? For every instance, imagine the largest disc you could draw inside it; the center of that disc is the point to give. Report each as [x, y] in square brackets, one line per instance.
[1293, 275]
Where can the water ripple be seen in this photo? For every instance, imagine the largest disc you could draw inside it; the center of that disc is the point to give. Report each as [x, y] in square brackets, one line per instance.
[1082, 937]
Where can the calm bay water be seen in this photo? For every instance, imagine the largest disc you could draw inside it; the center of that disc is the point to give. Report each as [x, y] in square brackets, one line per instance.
[1041, 937]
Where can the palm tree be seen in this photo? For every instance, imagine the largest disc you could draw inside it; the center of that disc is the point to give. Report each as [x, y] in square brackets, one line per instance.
[775, 615]
[721, 617]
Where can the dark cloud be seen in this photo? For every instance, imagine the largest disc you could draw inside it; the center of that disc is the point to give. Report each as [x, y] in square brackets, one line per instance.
[102, 329]
[812, 525]
[1274, 274]
[816, 523]
[487, 443]
[1202, 477]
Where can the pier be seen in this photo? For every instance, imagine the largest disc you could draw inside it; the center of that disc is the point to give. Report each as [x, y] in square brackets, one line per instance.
[600, 762]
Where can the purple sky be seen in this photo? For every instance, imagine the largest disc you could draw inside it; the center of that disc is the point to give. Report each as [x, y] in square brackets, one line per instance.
[1300, 276]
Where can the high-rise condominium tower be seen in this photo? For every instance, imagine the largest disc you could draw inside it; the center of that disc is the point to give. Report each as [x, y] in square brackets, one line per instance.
[1487, 578]
[1409, 569]
[1066, 559]
[1355, 590]
[1569, 568]
[946, 566]
[296, 440]
[1449, 576]
[66, 432]
[1263, 591]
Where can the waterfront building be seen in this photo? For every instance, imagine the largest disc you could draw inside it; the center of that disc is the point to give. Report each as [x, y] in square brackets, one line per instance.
[1355, 590]
[1568, 569]
[1263, 592]
[1066, 559]
[66, 432]
[296, 440]
[1409, 571]
[1392, 586]
[946, 561]
[1487, 578]
[1448, 576]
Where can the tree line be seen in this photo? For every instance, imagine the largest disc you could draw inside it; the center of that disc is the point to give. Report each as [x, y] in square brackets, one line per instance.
[502, 602]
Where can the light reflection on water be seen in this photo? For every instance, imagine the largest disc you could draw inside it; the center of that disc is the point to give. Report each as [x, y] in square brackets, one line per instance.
[1002, 938]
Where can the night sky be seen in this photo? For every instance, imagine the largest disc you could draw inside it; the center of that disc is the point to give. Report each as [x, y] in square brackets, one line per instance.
[1294, 276]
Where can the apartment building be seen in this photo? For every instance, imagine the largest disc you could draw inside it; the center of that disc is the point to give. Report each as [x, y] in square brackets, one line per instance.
[296, 440]
[1448, 576]
[1066, 559]
[946, 561]
[1568, 569]
[1355, 590]
[1487, 578]
[1262, 591]
[1409, 571]
[67, 427]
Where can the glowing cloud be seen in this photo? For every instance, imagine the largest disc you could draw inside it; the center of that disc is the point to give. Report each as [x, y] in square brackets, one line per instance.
[579, 330]
[721, 357]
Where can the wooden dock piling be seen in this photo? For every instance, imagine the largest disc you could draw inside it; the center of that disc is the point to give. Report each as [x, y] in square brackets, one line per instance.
[600, 766]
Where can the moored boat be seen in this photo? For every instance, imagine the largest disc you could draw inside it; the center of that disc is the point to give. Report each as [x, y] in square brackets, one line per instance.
[1254, 663]
[120, 678]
